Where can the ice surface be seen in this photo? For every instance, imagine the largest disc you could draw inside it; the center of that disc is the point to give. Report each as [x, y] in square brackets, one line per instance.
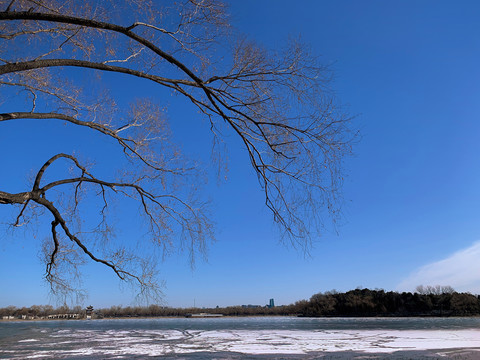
[147, 343]
[115, 339]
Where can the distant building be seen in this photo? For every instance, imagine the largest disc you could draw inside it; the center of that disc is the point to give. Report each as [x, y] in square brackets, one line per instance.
[271, 304]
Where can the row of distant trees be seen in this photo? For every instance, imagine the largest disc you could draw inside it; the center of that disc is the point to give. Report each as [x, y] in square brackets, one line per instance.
[155, 310]
[426, 301]
[145, 311]
[40, 310]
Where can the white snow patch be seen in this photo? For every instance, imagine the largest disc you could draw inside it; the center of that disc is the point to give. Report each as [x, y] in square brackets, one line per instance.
[28, 340]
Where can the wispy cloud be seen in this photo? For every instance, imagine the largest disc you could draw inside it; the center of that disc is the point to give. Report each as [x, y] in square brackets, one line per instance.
[460, 270]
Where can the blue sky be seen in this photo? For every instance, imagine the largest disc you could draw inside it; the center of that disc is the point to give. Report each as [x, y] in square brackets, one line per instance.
[409, 73]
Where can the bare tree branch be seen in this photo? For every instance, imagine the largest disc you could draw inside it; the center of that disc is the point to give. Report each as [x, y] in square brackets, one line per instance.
[278, 105]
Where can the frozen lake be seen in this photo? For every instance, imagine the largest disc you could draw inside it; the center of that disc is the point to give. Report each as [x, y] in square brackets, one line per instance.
[243, 338]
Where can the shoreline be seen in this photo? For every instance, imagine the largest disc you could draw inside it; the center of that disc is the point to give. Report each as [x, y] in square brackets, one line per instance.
[237, 316]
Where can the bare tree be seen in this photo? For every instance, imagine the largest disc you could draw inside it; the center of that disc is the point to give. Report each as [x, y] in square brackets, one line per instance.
[434, 289]
[277, 103]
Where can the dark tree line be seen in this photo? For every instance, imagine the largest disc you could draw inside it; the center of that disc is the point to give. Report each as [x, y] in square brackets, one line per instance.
[359, 302]
[39, 311]
[365, 302]
[158, 311]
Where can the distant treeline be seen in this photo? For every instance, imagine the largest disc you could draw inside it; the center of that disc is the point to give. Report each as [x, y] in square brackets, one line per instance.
[38, 311]
[360, 302]
[430, 301]
[43, 311]
[156, 310]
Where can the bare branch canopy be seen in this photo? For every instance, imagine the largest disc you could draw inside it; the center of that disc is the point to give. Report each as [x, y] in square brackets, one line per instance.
[277, 103]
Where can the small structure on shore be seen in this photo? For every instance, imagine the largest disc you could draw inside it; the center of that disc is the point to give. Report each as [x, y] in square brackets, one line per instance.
[89, 311]
[203, 315]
